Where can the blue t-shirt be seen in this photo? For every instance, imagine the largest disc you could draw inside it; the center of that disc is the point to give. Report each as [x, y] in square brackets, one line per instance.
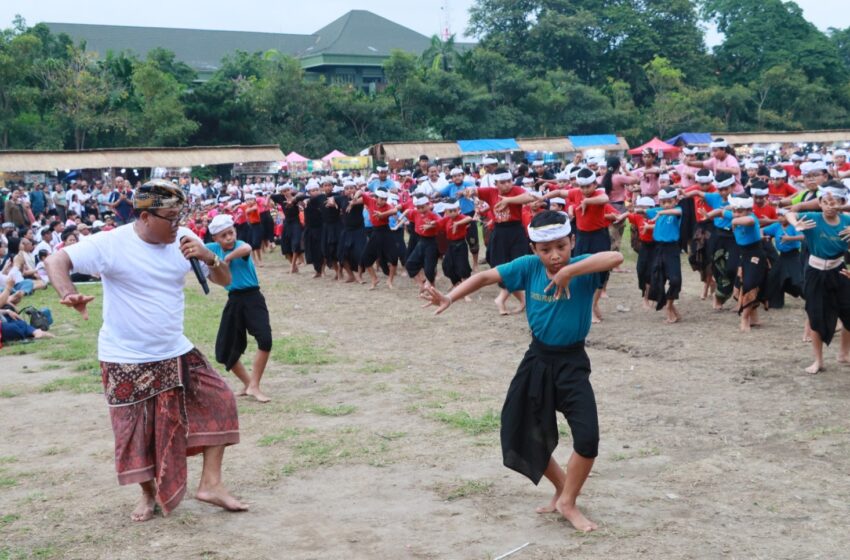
[776, 231]
[378, 184]
[745, 235]
[367, 223]
[716, 201]
[556, 322]
[823, 240]
[666, 228]
[467, 206]
[242, 272]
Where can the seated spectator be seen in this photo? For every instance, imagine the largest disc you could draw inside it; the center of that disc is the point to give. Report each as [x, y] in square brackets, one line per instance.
[13, 328]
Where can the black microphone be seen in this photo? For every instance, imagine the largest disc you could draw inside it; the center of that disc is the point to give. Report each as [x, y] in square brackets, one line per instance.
[199, 274]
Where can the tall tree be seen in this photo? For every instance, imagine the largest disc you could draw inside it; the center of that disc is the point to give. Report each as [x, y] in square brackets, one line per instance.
[163, 119]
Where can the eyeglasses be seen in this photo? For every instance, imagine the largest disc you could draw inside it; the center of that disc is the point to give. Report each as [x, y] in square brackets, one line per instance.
[172, 220]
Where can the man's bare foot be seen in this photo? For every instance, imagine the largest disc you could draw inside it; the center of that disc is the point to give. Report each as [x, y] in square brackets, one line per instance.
[257, 394]
[576, 518]
[816, 367]
[144, 509]
[16, 297]
[38, 333]
[219, 496]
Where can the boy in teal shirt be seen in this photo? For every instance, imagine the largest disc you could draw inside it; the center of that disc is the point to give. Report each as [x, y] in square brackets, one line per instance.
[554, 375]
[245, 312]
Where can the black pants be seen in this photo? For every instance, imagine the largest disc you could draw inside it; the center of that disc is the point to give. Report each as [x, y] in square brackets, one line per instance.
[666, 271]
[548, 380]
[381, 245]
[785, 277]
[313, 248]
[472, 235]
[290, 242]
[245, 313]
[456, 262]
[827, 295]
[424, 256]
[352, 243]
[644, 264]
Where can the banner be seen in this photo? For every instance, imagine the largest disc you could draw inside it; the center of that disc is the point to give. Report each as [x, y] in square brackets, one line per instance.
[352, 162]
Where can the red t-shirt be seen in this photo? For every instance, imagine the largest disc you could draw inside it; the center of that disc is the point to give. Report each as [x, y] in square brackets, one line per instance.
[491, 195]
[253, 215]
[239, 216]
[593, 218]
[446, 225]
[792, 170]
[699, 202]
[780, 190]
[638, 220]
[372, 206]
[420, 220]
[767, 211]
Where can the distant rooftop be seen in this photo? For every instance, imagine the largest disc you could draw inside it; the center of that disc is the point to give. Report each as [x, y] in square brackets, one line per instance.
[358, 33]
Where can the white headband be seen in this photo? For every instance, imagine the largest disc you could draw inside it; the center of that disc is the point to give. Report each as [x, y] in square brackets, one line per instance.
[420, 201]
[220, 223]
[740, 202]
[451, 206]
[777, 173]
[704, 178]
[689, 151]
[751, 165]
[645, 201]
[759, 192]
[835, 192]
[502, 177]
[584, 181]
[487, 160]
[727, 183]
[719, 144]
[549, 232]
[456, 171]
[558, 200]
[666, 195]
[382, 194]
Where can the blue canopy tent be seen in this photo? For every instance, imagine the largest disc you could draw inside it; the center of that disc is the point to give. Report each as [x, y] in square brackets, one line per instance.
[486, 145]
[594, 141]
[691, 138]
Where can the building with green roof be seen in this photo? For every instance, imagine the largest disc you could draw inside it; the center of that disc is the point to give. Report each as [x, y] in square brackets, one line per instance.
[349, 50]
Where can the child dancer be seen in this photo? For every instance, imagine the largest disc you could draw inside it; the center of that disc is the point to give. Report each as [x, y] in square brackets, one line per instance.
[554, 375]
[666, 269]
[786, 273]
[245, 312]
[750, 281]
[456, 260]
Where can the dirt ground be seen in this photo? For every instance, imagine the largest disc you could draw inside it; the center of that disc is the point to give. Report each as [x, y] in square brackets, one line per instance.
[714, 444]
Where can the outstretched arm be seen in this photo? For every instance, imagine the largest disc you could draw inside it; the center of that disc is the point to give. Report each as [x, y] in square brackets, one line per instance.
[599, 262]
[58, 267]
[465, 288]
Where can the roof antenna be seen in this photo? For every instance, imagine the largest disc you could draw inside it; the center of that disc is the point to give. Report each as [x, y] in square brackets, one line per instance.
[446, 23]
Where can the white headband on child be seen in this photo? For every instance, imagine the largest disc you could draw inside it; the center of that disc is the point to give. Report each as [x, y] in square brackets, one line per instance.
[420, 201]
[645, 201]
[584, 181]
[549, 232]
[719, 144]
[220, 223]
[704, 178]
[456, 171]
[777, 173]
[451, 206]
[727, 183]
[759, 192]
[558, 200]
[835, 192]
[503, 177]
[741, 202]
[666, 195]
[382, 194]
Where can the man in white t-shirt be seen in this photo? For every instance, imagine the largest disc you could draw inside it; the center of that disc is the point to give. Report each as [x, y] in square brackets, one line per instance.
[165, 400]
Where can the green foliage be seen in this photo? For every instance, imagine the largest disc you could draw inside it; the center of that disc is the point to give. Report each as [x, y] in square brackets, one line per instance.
[541, 68]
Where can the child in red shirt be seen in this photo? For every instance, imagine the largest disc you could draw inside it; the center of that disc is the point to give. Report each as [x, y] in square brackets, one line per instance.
[456, 260]
[647, 244]
[381, 244]
[421, 265]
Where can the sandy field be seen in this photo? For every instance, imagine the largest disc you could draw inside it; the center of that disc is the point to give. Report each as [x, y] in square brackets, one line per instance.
[382, 441]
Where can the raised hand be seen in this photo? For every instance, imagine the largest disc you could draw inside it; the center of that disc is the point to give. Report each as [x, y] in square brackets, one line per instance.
[561, 283]
[433, 297]
[78, 302]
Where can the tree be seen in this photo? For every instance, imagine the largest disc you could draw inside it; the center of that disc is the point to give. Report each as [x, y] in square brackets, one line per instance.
[17, 94]
[441, 54]
[163, 119]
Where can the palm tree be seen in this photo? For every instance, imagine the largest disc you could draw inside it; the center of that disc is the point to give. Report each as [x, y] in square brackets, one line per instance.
[441, 54]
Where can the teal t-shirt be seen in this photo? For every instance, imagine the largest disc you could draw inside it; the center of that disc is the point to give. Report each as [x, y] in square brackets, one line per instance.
[823, 240]
[242, 271]
[745, 235]
[555, 322]
[715, 200]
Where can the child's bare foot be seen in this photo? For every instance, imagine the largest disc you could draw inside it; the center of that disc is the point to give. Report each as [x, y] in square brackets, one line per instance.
[144, 509]
[219, 496]
[672, 318]
[552, 506]
[390, 284]
[38, 333]
[16, 297]
[257, 394]
[243, 392]
[317, 275]
[349, 280]
[374, 284]
[518, 310]
[844, 359]
[816, 367]
[604, 294]
[576, 518]
[646, 305]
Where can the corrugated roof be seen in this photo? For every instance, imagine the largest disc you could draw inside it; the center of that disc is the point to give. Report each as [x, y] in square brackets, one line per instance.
[412, 150]
[557, 144]
[360, 32]
[485, 145]
[137, 157]
[608, 142]
[200, 49]
[781, 137]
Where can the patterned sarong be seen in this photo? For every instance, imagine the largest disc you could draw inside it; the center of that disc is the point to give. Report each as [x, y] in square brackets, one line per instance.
[163, 412]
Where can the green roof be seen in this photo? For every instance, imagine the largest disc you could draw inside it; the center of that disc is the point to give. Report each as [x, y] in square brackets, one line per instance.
[357, 34]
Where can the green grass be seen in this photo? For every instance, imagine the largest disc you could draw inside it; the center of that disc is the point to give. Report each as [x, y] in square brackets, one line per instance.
[299, 350]
[339, 410]
[80, 384]
[8, 519]
[373, 366]
[8, 459]
[8, 394]
[464, 489]
[344, 447]
[286, 435]
[473, 425]
[8, 481]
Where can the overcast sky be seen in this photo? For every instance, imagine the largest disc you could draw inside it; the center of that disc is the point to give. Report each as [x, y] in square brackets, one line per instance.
[288, 16]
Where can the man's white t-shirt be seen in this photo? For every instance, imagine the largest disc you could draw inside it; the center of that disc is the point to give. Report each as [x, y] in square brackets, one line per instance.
[142, 294]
